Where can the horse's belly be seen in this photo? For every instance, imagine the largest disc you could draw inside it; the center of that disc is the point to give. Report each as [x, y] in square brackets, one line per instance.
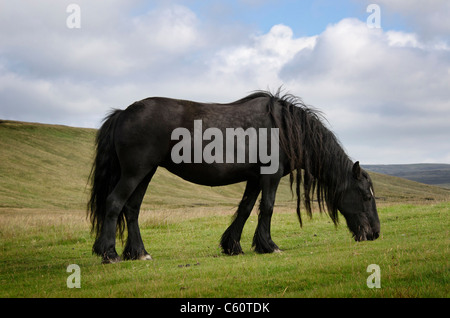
[213, 174]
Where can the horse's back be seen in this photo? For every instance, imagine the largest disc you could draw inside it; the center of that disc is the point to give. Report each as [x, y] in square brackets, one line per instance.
[144, 135]
[162, 115]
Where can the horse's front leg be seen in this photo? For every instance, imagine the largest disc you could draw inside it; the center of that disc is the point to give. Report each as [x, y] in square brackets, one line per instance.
[262, 240]
[230, 241]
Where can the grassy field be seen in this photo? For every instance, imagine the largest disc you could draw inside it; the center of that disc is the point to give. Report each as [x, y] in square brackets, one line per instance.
[318, 260]
[43, 229]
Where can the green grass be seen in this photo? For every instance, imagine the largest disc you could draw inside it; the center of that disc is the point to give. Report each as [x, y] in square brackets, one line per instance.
[44, 166]
[43, 229]
[318, 260]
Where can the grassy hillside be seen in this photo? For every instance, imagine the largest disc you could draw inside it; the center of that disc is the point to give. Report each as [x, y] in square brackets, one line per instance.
[43, 166]
[434, 174]
[47, 166]
[389, 189]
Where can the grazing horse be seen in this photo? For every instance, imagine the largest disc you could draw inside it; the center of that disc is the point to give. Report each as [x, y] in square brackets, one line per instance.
[187, 138]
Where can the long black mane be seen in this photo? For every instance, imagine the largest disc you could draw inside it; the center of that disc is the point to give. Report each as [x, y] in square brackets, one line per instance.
[317, 159]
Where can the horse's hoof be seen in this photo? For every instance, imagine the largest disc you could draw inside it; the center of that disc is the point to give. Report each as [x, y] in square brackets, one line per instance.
[145, 257]
[114, 260]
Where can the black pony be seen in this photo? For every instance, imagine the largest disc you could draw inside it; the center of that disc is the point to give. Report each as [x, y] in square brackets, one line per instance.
[132, 143]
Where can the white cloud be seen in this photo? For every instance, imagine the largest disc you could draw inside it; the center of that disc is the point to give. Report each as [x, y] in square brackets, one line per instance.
[384, 92]
[259, 62]
[402, 39]
[430, 20]
[110, 60]
[172, 29]
[384, 88]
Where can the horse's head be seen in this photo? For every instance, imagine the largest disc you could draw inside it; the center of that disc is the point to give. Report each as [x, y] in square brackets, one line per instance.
[358, 206]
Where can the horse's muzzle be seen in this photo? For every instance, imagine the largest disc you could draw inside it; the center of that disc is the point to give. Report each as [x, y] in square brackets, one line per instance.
[367, 236]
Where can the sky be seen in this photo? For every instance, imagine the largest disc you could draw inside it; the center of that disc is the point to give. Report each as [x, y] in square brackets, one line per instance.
[383, 85]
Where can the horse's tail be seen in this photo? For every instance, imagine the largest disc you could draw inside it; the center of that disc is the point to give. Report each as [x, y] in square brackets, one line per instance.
[105, 175]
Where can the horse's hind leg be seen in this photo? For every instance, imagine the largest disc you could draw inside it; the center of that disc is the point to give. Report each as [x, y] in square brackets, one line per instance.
[134, 248]
[230, 241]
[262, 240]
[105, 245]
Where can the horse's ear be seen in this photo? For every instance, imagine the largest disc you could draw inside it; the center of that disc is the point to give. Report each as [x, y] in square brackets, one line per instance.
[356, 170]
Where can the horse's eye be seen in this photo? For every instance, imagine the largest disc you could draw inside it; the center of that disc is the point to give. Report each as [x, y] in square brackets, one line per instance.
[368, 196]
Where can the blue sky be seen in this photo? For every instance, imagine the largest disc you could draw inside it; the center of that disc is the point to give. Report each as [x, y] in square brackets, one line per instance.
[384, 92]
[305, 18]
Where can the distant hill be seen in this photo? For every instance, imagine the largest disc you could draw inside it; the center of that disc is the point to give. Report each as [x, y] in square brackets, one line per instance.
[434, 174]
[47, 166]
